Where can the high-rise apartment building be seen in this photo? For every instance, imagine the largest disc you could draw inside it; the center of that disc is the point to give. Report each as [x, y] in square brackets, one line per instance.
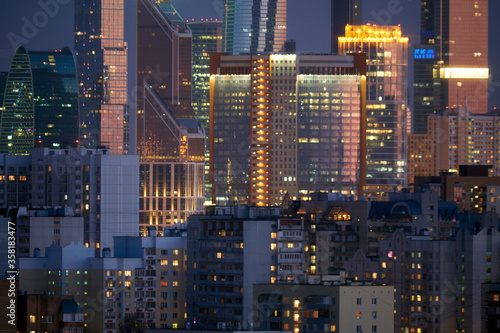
[170, 141]
[254, 26]
[40, 102]
[386, 110]
[141, 286]
[330, 307]
[228, 253]
[100, 187]
[101, 63]
[455, 137]
[451, 62]
[344, 12]
[285, 124]
[207, 38]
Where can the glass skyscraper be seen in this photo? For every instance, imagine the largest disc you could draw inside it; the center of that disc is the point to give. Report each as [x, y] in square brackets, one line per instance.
[207, 38]
[344, 12]
[451, 62]
[254, 26]
[284, 124]
[386, 110]
[101, 58]
[40, 102]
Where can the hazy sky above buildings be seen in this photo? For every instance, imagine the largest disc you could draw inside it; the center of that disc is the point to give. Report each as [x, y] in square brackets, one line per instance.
[41, 27]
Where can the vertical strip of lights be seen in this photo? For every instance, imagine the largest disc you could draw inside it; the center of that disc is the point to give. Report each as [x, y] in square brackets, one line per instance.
[260, 123]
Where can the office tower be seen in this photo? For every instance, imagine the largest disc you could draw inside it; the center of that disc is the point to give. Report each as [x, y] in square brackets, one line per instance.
[163, 59]
[254, 26]
[455, 137]
[279, 126]
[170, 141]
[344, 12]
[101, 62]
[40, 102]
[451, 62]
[332, 307]
[387, 84]
[171, 180]
[207, 38]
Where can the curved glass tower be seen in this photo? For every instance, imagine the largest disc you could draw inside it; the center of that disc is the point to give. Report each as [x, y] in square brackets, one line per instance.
[40, 102]
[254, 26]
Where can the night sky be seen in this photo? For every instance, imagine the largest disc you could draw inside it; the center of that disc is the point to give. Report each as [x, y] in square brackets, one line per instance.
[39, 28]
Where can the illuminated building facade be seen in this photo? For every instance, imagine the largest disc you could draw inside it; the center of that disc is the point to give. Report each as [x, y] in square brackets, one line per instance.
[41, 102]
[344, 12]
[455, 137]
[207, 38]
[266, 141]
[101, 61]
[387, 82]
[254, 26]
[170, 141]
[171, 179]
[451, 62]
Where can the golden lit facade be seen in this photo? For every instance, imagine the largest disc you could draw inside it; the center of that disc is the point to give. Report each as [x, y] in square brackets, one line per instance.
[386, 110]
[455, 137]
[101, 58]
[256, 121]
[259, 135]
[172, 176]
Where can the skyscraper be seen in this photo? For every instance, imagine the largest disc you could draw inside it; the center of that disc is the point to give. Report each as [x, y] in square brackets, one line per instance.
[40, 103]
[387, 82]
[254, 26]
[285, 124]
[344, 12]
[164, 64]
[207, 38]
[170, 141]
[451, 62]
[101, 58]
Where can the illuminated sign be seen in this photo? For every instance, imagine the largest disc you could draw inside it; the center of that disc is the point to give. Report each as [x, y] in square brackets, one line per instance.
[464, 73]
[424, 54]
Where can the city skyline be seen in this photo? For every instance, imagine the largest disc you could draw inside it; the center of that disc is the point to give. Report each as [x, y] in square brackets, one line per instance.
[58, 21]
